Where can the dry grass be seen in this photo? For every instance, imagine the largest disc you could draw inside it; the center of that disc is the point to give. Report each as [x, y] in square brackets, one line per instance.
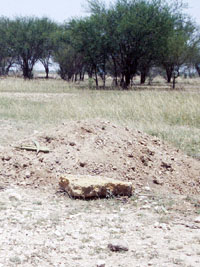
[172, 115]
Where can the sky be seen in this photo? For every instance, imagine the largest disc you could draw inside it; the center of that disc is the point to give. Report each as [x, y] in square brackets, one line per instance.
[63, 10]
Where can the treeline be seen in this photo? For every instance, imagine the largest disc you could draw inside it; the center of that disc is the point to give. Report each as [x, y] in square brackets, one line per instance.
[128, 38]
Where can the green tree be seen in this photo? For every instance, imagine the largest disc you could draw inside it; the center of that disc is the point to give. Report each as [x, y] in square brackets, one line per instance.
[28, 42]
[50, 44]
[88, 38]
[197, 63]
[135, 31]
[7, 55]
[177, 49]
[194, 52]
[70, 62]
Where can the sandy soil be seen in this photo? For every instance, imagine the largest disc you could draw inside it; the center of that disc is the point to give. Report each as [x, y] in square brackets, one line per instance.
[41, 226]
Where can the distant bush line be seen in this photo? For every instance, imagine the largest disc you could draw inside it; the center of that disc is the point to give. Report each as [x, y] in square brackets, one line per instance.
[127, 38]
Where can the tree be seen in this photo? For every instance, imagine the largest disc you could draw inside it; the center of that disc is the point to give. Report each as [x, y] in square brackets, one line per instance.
[88, 38]
[70, 63]
[28, 42]
[7, 55]
[50, 44]
[178, 44]
[194, 52]
[69, 60]
[135, 32]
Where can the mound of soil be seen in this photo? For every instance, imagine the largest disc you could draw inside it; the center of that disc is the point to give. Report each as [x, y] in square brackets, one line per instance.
[101, 148]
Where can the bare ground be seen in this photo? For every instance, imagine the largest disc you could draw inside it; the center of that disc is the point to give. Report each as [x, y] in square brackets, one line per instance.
[41, 226]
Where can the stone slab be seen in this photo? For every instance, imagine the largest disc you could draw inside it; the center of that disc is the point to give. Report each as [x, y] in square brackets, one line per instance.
[85, 186]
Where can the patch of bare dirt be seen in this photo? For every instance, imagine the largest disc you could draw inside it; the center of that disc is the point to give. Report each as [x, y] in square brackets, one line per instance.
[101, 148]
[41, 229]
[41, 226]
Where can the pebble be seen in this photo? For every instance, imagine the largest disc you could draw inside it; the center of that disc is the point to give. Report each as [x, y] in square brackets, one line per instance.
[27, 174]
[117, 247]
[163, 226]
[57, 233]
[164, 209]
[14, 197]
[147, 188]
[197, 220]
[142, 197]
[146, 207]
[101, 263]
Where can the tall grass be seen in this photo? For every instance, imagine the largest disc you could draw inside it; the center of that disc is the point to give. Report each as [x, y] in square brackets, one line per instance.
[171, 115]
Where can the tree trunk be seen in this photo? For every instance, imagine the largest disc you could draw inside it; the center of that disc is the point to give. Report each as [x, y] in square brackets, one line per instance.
[75, 77]
[122, 81]
[174, 82]
[127, 80]
[104, 75]
[115, 82]
[96, 78]
[197, 68]
[142, 77]
[83, 76]
[47, 72]
[175, 76]
[169, 72]
[80, 75]
[104, 81]
[27, 72]
[115, 71]
[90, 72]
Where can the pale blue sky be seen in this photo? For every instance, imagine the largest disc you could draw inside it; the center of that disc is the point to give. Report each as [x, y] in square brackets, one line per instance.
[60, 10]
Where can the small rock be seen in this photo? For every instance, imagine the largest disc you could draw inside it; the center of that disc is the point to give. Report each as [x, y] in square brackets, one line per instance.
[57, 233]
[166, 165]
[82, 164]
[157, 208]
[147, 188]
[164, 209]
[156, 224]
[197, 220]
[72, 143]
[142, 197]
[101, 263]
[189, 254]
[15, 260]
[158, 180]
[14, 197]
[41, 159]
[117, 247]
[144, 160]
[27, 174]
[163, 226]
[146, 207]
[6, 158]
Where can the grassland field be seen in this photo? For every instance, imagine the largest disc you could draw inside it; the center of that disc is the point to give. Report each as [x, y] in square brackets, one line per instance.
[172, 115]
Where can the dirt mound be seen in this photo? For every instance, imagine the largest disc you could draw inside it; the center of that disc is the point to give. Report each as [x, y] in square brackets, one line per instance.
[101, 148]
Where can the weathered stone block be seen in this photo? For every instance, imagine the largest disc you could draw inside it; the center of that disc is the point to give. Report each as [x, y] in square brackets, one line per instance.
[85, 186]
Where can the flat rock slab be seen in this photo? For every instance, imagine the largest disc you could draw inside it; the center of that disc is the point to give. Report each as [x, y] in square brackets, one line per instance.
[84, 186]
